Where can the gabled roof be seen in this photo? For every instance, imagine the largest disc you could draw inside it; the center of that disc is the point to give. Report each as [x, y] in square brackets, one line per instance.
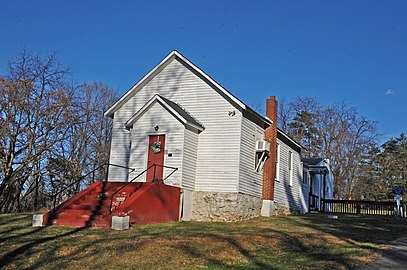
[170, 57]
[175, 109]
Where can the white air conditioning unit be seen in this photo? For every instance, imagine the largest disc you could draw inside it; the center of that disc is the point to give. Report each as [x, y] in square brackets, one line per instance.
[262, 146]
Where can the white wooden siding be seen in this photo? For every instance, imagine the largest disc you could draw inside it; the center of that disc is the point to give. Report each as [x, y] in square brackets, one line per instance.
[189, 159]
[120, 151]
[305, 192]
[250, 181]
[173, 130]
[218, 145]
[284, 194]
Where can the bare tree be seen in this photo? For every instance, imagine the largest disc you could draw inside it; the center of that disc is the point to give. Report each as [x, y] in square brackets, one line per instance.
[285, 114]
[348, 139]
[34, 106]
[87, 146]
[51, 133]
[337, 132]
[257, 107]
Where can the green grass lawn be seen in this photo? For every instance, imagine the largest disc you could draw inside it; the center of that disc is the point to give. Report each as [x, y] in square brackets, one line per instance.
[286, 242]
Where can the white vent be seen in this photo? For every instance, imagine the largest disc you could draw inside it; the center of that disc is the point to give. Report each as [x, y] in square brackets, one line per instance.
[262, 146]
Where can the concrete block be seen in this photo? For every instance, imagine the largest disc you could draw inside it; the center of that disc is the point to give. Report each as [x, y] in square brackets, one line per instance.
[38, 220]
[120, 223]
[332, 217]
[267, 209]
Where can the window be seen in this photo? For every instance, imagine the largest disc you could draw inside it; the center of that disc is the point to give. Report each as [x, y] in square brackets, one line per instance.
[304, 176]
[290, 167]
[277, 173]
[260, 159]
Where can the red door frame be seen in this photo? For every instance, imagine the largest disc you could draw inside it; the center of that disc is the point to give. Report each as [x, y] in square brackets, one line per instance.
[155, 157]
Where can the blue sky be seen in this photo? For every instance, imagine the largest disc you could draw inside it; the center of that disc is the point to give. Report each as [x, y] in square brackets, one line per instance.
[333, 50]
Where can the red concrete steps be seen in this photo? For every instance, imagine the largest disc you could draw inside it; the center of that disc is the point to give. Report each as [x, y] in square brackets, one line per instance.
[91, 206]
[81, 207]
[71, 223]
[143, 202]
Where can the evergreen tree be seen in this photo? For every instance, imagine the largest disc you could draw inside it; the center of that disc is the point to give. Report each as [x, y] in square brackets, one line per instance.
[305, 131]
[393, 163]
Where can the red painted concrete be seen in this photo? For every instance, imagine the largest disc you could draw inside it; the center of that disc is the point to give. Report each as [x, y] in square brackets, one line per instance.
[143, 202]
[152, 203]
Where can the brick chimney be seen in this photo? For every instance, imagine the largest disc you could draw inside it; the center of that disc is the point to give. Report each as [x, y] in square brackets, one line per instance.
[269, 170]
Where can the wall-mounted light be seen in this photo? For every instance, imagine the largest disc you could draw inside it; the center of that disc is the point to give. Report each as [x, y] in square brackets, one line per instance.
[156, 128]
[232, 113]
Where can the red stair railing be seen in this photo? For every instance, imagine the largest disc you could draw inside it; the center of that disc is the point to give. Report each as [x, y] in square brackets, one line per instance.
[55, 195]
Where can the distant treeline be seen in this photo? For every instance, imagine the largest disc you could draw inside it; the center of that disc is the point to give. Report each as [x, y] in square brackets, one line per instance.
[362, 169]
[52, 132]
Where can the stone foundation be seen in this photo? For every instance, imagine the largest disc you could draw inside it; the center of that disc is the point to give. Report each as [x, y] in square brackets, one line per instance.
[282, 210]
[224, 206]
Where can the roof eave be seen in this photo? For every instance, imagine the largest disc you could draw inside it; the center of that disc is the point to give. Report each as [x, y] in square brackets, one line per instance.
[155, 98]
[199, 128]
[291, 139]
[141, 82]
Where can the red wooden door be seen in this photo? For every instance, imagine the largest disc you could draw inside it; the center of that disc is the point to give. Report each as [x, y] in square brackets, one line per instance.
[156, 146]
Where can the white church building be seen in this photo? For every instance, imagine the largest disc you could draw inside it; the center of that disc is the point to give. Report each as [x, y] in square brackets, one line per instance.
[232, 163]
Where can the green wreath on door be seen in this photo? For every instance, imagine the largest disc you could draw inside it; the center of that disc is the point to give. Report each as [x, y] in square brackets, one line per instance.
[156, 147]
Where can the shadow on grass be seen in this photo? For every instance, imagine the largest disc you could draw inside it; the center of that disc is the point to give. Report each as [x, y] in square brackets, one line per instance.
[9, 257]
[359, 229]
[312, 246]
[2, 239]
[353, 237]
[341, 243]
[369, 233]
[64, 261]
[89, 251]
[310, 241]
[14, 224]
[5, 218]
[252, 258]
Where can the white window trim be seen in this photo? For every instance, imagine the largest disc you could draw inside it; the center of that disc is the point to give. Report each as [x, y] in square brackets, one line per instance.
[277, 178]
[291, 167]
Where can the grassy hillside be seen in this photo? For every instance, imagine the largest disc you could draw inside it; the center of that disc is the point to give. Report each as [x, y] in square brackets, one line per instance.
[286, 242]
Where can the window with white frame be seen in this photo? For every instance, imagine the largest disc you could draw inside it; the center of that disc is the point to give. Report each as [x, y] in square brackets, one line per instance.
[290, 168]
[277, 174]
